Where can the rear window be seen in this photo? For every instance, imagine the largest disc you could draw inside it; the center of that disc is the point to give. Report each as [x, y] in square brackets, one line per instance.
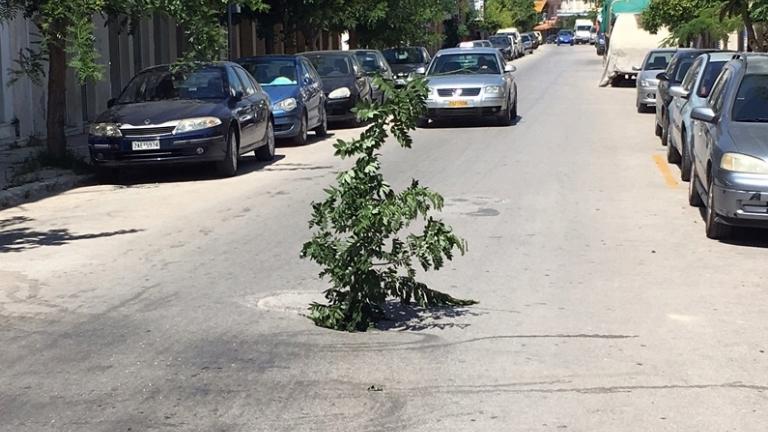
[711, 72]
[403, 55]
[751, 103]
[500, 40]
[331, 65]
[658, 60]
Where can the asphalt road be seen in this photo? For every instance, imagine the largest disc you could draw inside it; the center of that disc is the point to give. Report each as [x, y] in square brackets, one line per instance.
[168, 305]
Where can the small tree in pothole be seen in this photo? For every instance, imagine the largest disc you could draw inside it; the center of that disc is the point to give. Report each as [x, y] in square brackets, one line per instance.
[358, 227]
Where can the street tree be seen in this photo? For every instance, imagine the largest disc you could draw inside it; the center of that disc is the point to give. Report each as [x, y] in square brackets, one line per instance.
[358, 228]
[66, 32]
[509, 13]
[390, 23]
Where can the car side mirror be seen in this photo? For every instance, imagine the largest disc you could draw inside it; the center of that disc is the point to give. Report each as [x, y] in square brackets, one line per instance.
[111, 102]
[307, 80]
[239, 95]
[662, 76]
[704, 114]
[678, 91]
[509, 68]
[636, 69]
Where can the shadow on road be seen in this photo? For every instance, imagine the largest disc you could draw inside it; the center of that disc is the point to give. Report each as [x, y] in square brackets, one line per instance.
[468, 123]
[415, 318]
[19, 239]
[741, 236]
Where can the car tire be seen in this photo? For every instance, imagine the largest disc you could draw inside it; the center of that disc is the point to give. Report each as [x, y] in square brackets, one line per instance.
[422, 122]
[322, 129]
[685, 158]
[228, 166]
[714, 229]
[266, 152]
[664, 130]
[694, 197]
[506, 118]
[658, 130]
[107, 174]
[673, 156]
[301, 138]
[514, 108]
[642, 108]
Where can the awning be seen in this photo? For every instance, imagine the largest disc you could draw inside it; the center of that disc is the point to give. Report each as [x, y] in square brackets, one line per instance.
[548, 25]
[539, 5]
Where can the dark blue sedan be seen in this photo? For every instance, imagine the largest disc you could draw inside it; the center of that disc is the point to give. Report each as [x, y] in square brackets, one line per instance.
[296, 91]
[212, 113]
[565, 37]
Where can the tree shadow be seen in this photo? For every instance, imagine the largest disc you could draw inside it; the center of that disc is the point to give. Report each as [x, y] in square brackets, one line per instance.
[311, 139]
[469, 123]
[22, 238]
[15, 220]
[404, 317]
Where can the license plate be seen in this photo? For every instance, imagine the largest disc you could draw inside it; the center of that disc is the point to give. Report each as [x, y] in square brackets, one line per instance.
[146, 145]
[458, 103]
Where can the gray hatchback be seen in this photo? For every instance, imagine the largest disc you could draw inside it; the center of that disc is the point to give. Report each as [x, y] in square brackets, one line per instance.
[729, 174]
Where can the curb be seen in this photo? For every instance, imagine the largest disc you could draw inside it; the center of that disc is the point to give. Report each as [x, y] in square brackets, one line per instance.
[40, 189]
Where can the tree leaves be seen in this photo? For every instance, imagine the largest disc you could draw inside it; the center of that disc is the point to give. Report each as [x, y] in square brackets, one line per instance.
[357, 228]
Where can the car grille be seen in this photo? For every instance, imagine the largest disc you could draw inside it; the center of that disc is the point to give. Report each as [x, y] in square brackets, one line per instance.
[147, 131]
[448, 92]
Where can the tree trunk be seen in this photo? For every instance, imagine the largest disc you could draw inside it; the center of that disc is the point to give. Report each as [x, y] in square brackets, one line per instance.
[310, 38]
[752, 41]
[56, 141]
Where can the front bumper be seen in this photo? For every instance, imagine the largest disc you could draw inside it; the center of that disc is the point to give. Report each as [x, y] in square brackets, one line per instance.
[117, 152]
[741, 207]
[468, 107]
[339, 110]
[646, 96]
[287, 125]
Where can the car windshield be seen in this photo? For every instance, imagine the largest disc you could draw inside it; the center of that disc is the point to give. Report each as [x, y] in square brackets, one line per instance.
[500, 41]
[583, 28]
[403, 55]
[751, 103]
[565, 33]
[464, 64]
[658, 60]
[711, 72]
[525, 38]
[329, 66]
[273, 72]
[368, 60]
[161, 84]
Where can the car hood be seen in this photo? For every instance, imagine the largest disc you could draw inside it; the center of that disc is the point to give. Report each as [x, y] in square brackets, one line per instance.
[464, 80]
[278, 93]
[750, 138]
[332, 83]
[161, 111]
[649, 75]
[406, 68]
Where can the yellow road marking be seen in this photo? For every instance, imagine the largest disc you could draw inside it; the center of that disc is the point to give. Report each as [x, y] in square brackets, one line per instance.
[661, 164]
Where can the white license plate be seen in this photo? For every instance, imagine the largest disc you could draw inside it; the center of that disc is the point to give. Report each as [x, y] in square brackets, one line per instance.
[146, 145]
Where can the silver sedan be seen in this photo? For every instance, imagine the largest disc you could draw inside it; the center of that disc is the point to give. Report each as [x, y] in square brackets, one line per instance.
[471, 82]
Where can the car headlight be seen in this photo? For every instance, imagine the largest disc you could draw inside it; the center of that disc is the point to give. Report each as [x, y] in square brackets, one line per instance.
[105, 130]
[193, 124]
[737, 162]
[493, 90]
[644, 83]
[288, 104]
[340, 93]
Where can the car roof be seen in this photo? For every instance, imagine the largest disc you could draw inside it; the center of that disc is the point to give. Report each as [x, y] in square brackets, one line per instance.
[167, 66]
[477, 50]
[720, 55]
[270, 56]
[657, 50]
[329, 52]
[754, 63]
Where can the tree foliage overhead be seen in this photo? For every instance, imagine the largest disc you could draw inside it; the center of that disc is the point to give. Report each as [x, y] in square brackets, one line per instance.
[388, 23]
[358, 228]
[509, 13]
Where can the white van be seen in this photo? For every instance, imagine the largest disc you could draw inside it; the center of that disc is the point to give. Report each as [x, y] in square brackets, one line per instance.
[517, 44]
[582, 30]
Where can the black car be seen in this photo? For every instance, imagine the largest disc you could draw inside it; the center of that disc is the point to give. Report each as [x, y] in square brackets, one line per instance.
[374, 63]
[407, 62]
[214, 112]
[672, 76]
[551, 39]
[504, 44]
[345, 83]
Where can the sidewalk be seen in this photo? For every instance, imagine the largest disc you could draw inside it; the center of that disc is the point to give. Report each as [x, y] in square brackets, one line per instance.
[21, 179]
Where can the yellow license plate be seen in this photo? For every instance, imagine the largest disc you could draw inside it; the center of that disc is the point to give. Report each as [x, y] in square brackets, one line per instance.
[458, 103]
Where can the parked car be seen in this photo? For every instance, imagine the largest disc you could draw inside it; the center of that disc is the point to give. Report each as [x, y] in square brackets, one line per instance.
[296, 92]
[539, 38]
[593, 36]
[601, 44]
[552, 39]
[534, 40]
[407, 62]
[655, 61]
[474, 82]
[345, 83]
[504, 44]
[517, 41]
[692, 93]
[673, 75]
[527, 43]
[374, 63]
[565, 37]
[214, 112]
[730, 157]
[475, 44]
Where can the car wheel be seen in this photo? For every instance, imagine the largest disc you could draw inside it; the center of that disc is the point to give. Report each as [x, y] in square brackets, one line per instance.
[506, 116]
[267, 152]
[685, 158]
[107, 174]
[228, 166]
[664, 130]
[694, 197]
[514, 108]
[301, 138]
[322, 129]
[715, 230]
[673, 156]
[658, 130]
[422, 122]
[642, 108]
